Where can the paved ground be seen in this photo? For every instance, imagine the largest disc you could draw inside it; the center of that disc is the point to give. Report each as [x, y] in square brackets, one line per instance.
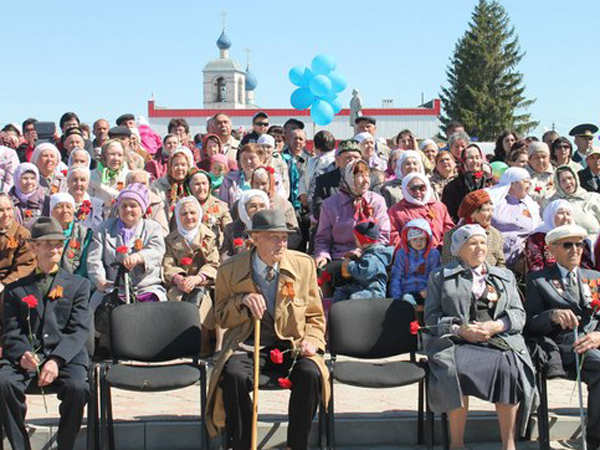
[349, 401]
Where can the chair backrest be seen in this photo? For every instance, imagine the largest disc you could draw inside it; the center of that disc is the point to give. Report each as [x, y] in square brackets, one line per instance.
[155, 332]
[371, 328]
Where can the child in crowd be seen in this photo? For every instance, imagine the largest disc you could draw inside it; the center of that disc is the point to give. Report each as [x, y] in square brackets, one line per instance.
[219, 167]
[368, 273]
[414, 261]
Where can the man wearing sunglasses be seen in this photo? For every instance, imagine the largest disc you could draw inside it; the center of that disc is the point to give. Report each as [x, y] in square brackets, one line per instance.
[559, 298]
[260, 125]
[584, 137]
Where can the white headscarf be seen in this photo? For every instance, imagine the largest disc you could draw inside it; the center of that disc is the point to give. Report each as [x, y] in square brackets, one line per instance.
[403, 157]
[550, 213]
[406, 193]
[426, 142]
[185, 152]
[42, 147]
[511, 175]
[362, 137]
[61, 197]
[188, 235]
[85, 152]
[245, 198]
[75, 169]
[19, 172]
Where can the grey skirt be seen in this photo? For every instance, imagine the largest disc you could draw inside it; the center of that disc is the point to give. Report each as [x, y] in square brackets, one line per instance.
[488, 373]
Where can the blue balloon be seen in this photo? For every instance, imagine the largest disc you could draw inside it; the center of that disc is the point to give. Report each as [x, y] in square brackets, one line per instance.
[329, 97]
[321, 112]
[336, 104]
[320, 85]
[300, 76]
[322, 64]
[302, 98]
[338, 82]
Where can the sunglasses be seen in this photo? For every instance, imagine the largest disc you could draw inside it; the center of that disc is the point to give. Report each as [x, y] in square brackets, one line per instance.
[563, 147]
[418, 187]
[569, 245]
[261, 124]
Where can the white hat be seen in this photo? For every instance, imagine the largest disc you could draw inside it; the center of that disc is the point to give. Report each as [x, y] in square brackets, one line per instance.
[463, 234]
[538, 147]
[61, 197]
[266, 139]
[415, 233]
[362, 137]
[565, 231]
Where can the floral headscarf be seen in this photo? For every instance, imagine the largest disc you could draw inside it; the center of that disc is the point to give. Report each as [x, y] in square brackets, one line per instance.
[178, 187]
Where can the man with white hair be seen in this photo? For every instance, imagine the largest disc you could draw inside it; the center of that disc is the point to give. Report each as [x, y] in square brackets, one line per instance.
[561, 298]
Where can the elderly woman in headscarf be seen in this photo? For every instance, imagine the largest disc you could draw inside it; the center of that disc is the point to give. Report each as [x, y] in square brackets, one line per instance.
[429, 149]
[236, 240]
[216, 212]
[191, 262]
[132, 241]
[516, 214]
[46, 158]
[263, 178]
[108, 179]
[171, 187]
[477, 208]
[89, 211]
[157, 167]
[28, 197]
[342, 211]
[77, 236]
[80, 157]
[419, 203]
[471, 178]
[474, 321]
[542, 172]
[557, 213]
[444, 171]
[409, 162]
[586, 205]
[367, 149]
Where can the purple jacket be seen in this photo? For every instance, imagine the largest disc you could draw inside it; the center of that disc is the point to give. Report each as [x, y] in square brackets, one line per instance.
[335, 235]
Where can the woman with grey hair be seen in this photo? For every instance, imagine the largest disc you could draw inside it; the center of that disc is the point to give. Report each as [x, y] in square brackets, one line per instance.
[457, 142]
[89, 211]
[474, 319]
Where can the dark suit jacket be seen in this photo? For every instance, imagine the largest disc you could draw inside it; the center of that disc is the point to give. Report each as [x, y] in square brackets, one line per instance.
[60, 327]
[546, 292]
[588, 181]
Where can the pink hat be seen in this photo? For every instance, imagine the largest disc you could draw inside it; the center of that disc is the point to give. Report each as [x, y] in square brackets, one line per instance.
[221, 158]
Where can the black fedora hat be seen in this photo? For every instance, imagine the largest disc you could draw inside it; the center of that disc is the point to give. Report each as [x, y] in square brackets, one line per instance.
[269, 220]
[47, 229]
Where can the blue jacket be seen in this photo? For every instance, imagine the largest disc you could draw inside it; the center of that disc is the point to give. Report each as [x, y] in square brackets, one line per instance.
[407, 279]
[369, 273]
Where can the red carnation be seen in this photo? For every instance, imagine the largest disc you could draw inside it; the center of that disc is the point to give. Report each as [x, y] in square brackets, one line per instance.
[122, 249]
[149, 210]
[285, 383]
[30, 301]
[237, 242]
[477, 175]
[64, 173]
[70, 254]
[86, 203]
[276, 357]
[538, 189]
[414, 327]
[595, 304]
[325, 278]
[270, 170]
[186, 261]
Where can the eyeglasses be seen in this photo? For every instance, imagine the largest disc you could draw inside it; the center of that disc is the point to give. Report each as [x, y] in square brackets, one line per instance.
[417, 187]
[569, 245]
[261, 124]
[563, 147]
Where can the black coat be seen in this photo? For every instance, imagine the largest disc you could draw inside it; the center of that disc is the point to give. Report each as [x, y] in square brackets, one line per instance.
[457, 189]
[60, 327]
[588, 181]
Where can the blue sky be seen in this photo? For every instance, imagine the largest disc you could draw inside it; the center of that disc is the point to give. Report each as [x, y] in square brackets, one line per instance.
[101, 59]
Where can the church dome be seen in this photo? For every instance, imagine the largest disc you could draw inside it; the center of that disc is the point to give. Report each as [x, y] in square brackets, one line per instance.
[224, 43]
[251, 81]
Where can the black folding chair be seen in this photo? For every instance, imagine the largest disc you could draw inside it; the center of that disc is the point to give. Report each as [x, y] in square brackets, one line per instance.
[372, 329]
[92, 434]
[147, 333]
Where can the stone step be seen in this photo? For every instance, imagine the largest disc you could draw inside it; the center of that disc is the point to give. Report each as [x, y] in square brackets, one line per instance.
[353, 431]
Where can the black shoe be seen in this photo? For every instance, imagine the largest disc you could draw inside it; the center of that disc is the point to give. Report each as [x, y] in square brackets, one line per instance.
[593, 443]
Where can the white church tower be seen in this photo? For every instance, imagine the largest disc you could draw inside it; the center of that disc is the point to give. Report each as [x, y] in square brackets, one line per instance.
[224, 79]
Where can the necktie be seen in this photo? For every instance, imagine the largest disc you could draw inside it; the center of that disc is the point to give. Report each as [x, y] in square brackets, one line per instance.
[572, 287]
[270, 274]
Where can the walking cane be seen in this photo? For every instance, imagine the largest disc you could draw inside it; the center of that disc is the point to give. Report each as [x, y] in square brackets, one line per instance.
[255, 391]
[581, 413]
[126, 283]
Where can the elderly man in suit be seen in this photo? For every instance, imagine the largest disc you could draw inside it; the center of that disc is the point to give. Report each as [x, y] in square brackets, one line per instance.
[589, 178]
[559, 298]
[46, 327]
[279, 287]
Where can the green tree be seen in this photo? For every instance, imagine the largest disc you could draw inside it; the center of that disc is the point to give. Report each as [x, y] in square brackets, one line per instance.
[485, 91]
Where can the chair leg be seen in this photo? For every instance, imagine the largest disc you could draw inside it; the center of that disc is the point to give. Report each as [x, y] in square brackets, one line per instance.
[92, 410]
[543, 416]
[420, 413]
[445, 431]
[322, 425]
[203, 388]
[110, 420]
[429, 418]
[331, 421]
[103, 431]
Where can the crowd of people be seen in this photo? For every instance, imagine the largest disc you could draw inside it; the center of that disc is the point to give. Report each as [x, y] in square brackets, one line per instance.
[489, 249]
